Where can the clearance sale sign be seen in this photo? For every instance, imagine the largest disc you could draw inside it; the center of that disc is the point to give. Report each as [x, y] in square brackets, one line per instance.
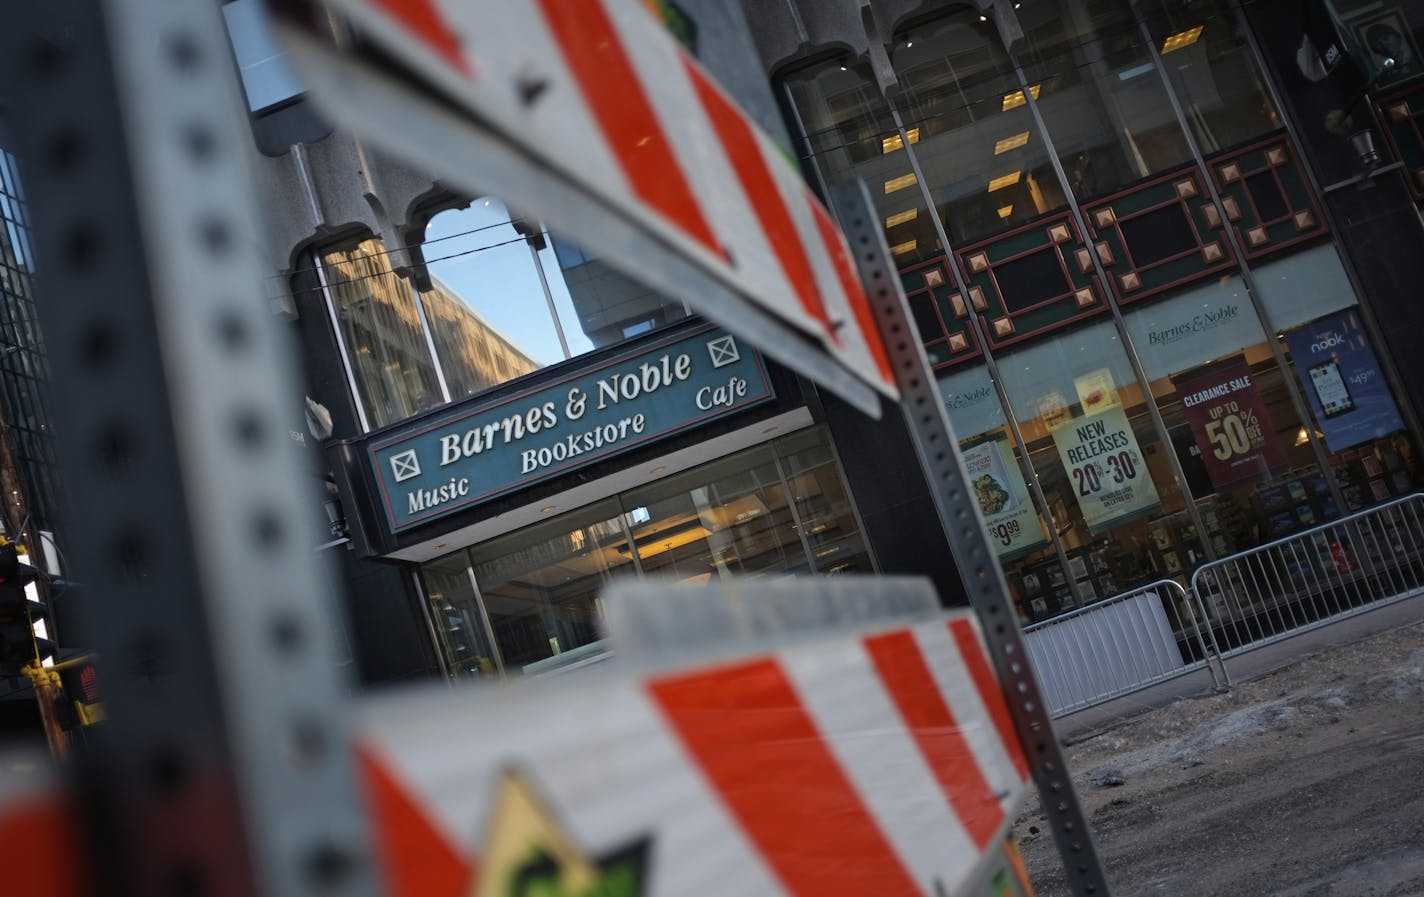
[1229, 421]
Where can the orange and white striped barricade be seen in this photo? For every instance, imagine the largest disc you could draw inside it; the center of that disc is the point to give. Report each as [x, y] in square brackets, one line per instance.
[39, 844]
[878, 761]
[590, 116]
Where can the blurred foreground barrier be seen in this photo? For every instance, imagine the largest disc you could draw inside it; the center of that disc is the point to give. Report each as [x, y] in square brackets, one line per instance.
[1315, 577]
[830, 737]
[865, 748]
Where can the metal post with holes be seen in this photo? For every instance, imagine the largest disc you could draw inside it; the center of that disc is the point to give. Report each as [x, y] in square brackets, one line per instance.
[225, 765]
[964, 528]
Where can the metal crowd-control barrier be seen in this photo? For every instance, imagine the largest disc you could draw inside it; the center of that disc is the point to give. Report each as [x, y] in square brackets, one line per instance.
[1117, 646]
[1314, 577]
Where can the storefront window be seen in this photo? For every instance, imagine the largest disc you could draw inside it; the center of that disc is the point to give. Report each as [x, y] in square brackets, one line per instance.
[1015, 527]
[850, 134]
[540, 586]
[1108, 480]
[1332, 358]
[823, 507]
[772, 510]
[984, 162]
[1235, 431]
[457, 616]
[1209, 63]
[1385, 31]
[380, 327]
[507, 298]
[730, 518]
[1101, 97]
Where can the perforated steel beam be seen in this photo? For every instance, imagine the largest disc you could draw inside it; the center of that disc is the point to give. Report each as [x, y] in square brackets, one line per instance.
[224, 767]
[984, 583]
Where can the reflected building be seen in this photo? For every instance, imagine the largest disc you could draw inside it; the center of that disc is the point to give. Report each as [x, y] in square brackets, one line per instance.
[610, 305]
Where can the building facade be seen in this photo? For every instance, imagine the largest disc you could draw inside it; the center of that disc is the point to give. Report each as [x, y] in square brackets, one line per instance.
[29, 482]
[1165, 315]
[1133, 253]
[509, 423]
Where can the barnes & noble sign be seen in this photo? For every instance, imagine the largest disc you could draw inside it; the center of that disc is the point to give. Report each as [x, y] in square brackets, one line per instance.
[434, 469]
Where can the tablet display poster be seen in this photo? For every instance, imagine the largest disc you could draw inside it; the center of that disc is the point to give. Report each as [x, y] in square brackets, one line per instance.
[1014, 526]
[1342, 381]
[1106, 471]
[1229, 421]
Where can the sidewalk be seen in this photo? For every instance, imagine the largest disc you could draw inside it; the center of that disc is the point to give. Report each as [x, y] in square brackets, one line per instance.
[1304, 780]
[1242, 668]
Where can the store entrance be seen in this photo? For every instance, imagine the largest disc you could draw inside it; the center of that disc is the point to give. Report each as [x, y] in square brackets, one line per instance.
[778, 509]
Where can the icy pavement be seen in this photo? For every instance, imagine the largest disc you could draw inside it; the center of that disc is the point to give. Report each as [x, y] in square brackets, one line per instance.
[1306, 782]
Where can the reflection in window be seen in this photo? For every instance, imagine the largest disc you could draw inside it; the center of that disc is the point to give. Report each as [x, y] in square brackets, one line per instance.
[456, 612]
[509, 298]
[266, 78]
[1102, 99]
[823, 507]
[382, 332]
[767, 511]
[1206, 56]
[540, 586]
[503, 299]
[1108, 480]
[726, 519]
[983, 162]
[850, 134]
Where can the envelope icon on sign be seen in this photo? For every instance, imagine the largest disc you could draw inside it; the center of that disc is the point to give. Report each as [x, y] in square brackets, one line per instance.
[723, 350]
[405, 465]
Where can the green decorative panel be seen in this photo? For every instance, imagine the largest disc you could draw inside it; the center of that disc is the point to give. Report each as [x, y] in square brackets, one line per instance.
[1266, 195]
[934, 306]
[1156, 236]
[1400, 112]
[1028, 281]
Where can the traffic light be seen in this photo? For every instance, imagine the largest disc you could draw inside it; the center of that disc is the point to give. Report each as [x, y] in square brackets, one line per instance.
[20, 644]
[80, 680]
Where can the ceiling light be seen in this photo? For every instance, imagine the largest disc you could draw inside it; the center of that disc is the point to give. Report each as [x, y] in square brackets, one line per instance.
[902, 248]
[900, 183]
[893, 142]
[843, 68]
[1010, 143]
[1006, 211]
[1004, 180]
[983, 18]
[1016, 99]
[902, 217]
[1181, 39]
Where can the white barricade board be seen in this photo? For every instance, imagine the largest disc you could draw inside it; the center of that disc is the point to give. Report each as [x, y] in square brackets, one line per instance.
[867, 764]
[601, 124]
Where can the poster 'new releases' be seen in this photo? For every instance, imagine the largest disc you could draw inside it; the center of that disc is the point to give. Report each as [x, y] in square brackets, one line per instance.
[1106, 470]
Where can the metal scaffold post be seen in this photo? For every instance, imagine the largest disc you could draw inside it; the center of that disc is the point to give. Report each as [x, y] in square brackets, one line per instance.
[224, 768]
[229, 762]
[984, 583]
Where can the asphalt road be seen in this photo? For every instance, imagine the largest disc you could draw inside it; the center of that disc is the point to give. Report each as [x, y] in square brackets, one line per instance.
[1307, 782]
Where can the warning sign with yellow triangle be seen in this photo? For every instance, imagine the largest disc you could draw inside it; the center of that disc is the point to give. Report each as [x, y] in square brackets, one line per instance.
[528, 854]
